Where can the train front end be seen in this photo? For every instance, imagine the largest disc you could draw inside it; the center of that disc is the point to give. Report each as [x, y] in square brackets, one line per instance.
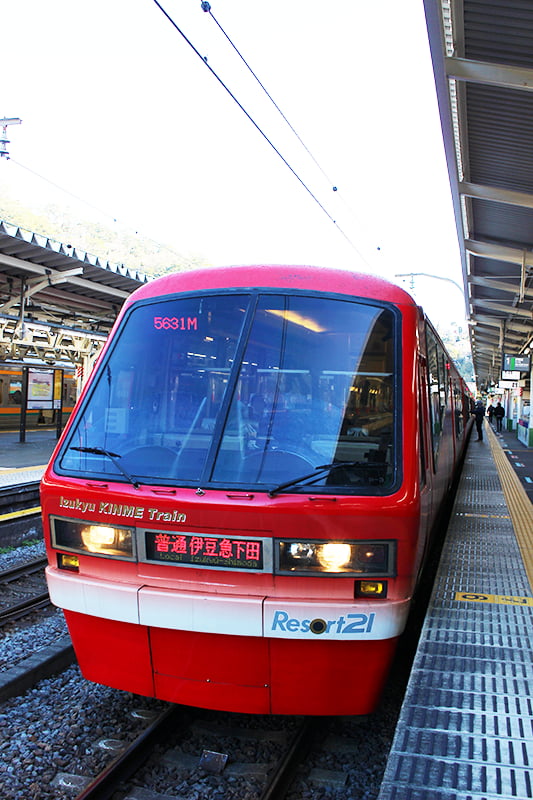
[226, 516]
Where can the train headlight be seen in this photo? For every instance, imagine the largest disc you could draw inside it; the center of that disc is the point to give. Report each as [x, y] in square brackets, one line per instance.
[103, 539]
[91, 538]
[336, 558]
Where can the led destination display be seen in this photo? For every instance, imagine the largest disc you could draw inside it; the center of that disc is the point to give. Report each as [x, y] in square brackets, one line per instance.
[204, 551]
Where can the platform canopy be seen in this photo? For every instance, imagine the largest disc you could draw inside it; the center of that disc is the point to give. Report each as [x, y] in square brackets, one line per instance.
[482, 53]
[57, 303]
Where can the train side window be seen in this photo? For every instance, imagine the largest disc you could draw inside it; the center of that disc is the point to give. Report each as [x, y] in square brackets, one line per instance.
[434, 391]
[458, 409]
[465, 407]
[422, 432]
[444, 379]
[69, 392]
[15, 392]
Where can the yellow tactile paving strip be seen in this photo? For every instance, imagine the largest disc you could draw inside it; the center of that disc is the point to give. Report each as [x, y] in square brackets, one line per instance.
[518, 503]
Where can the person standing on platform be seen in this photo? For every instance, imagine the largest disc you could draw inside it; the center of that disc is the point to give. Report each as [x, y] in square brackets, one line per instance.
[479, 414]
[490, 413]
[499, 413]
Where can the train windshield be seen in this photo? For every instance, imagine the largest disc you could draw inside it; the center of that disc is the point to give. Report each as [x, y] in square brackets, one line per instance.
[253, 391]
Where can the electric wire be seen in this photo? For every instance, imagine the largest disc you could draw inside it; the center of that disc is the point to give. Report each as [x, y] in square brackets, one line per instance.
[256, 126]
[206, 6]
[61, 189]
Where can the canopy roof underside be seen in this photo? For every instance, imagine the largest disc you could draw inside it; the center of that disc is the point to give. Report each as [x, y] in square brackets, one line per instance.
[56, 302]
[482, 55]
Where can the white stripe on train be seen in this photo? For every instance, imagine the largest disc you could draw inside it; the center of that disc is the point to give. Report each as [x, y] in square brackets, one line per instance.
[227, 614]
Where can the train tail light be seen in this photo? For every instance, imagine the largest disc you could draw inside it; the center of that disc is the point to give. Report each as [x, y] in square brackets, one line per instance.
[92, 538]
[300, 557]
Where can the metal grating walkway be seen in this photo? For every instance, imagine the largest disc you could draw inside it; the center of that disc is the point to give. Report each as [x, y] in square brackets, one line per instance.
[466, 727]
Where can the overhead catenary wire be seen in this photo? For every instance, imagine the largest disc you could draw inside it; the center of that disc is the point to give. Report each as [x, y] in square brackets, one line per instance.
[206, 6]
[61, 189]
[256, 125]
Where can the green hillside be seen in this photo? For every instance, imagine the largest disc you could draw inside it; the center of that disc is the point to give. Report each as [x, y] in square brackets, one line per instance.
[112, 243]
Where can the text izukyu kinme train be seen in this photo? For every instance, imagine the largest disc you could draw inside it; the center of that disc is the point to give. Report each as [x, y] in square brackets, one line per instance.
[239, 509]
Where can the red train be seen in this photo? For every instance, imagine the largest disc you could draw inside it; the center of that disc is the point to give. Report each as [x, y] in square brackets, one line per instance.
[238, 511]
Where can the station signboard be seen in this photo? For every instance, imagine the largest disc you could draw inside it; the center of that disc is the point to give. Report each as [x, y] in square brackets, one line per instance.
[516, 363]
[40, 388]
[510, 375]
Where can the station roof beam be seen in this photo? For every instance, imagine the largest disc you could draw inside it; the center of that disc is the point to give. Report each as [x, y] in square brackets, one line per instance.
[482, 54]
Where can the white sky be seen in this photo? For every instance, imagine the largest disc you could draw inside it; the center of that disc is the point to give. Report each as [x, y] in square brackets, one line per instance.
[118, 110]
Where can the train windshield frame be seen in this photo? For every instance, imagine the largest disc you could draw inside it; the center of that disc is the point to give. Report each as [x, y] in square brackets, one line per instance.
[259, 390]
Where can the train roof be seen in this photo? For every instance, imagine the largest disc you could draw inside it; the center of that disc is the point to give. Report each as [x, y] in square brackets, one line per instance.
[275, 276]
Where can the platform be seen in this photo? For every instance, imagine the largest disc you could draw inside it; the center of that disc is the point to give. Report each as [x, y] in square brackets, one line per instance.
[25, 462]
[520, 458]
[465, 730]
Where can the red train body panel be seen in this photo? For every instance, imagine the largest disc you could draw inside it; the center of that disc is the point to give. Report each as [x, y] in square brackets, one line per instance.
[238, 511]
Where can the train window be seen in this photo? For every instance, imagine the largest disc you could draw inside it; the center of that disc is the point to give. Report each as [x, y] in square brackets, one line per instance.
[444, 370]
[434, 384]
[315, 389]
[15, 391]
[69, 392]
[250, 391]
[422, 436]
[458, 408]
[156, 400]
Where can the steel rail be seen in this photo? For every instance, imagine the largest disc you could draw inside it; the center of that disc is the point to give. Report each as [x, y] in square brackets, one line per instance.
[14, 573]
[279, 783]
[24, 608]
[128, 762]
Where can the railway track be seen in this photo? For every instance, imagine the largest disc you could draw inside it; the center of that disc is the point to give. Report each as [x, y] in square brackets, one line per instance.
[22, 609]
[27, 657]
[20, 514]
[127, 763]
[29, 568]
[27, 580]
[19, 501]
[180, 725]
[78, 728]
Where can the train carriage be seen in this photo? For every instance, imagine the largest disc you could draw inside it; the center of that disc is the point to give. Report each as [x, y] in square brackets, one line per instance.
[37, 414]
[238, 511]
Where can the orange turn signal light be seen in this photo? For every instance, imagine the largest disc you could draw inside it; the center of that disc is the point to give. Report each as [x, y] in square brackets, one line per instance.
[371, 589]
[68, 561]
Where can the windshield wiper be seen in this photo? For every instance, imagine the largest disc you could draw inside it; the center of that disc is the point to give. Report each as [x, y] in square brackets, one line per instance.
[324, 468]
[100, 451]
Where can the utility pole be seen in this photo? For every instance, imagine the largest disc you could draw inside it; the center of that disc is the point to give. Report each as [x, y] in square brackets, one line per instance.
[4, 141]
[412, 275]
